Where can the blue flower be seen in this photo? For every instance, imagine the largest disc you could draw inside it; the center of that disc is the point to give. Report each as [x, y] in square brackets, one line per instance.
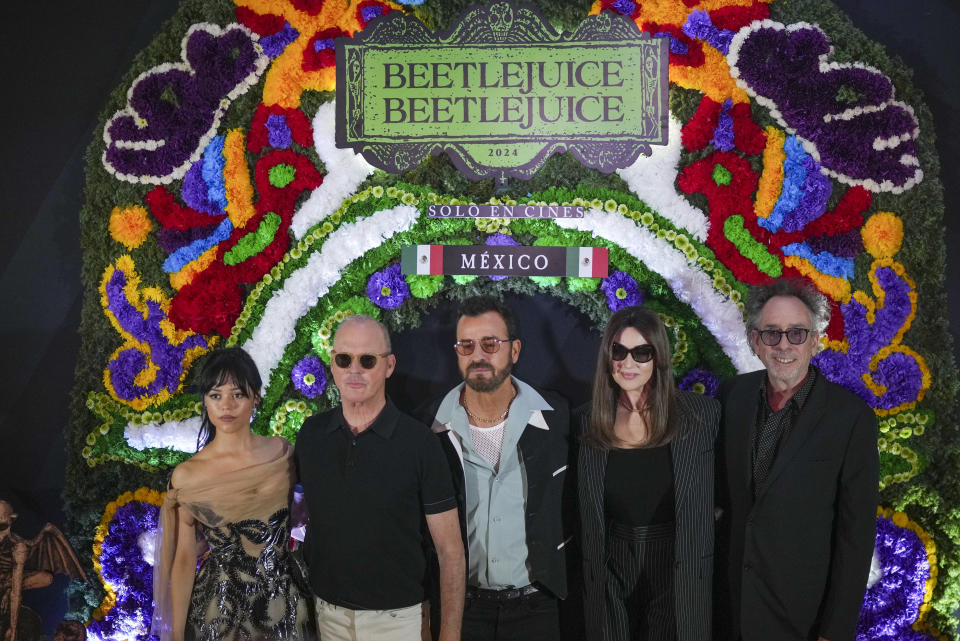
[621, 290]
[387, 288]
[309, 377]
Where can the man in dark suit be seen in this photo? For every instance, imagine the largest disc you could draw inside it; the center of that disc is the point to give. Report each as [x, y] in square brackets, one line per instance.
[506, 443]
[797, 472]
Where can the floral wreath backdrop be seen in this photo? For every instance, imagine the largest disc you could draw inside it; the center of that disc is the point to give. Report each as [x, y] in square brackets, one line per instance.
[219, 212]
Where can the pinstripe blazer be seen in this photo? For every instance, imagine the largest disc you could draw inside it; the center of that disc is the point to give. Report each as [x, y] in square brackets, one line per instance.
[693, 468]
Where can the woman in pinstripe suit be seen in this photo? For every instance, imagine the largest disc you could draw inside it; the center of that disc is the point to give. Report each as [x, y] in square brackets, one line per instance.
[645, 489]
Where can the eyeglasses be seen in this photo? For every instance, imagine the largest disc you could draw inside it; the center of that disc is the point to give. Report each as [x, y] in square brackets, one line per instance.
[367, 361]
[489, 344]
[795, 336]
[640, 353]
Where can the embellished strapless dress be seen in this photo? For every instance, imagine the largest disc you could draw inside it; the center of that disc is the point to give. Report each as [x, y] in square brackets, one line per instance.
[249, 586]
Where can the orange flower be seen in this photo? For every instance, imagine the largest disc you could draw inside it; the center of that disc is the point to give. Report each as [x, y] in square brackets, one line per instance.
[130, 226]
[882, 234]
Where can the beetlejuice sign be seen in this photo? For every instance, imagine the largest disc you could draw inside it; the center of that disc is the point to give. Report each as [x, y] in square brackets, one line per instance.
[501, 91]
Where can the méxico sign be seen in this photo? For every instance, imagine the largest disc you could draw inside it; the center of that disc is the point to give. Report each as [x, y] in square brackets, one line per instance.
[491, 260]
[501, 92]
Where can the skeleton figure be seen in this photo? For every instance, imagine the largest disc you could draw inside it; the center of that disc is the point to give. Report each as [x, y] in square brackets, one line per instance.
[501, 18]
[29, 563]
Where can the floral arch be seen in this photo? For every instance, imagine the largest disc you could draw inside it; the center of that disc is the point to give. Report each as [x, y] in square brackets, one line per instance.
[219, 211]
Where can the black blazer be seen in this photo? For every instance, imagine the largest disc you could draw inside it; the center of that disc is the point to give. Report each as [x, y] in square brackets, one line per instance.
[545, 457]
[796, 560]
[693, 467]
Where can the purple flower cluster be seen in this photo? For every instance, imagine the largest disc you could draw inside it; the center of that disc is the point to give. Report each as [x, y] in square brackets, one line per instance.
[388, 288]
[621, 290]
[274, 44]
[785, 67]
[898, 372]
[892, 603]
[179, 106]
[803, 194]
[124, 367]
[309, 377]
[701, 381]
[124, 568]
[723, 134]
[701, 27]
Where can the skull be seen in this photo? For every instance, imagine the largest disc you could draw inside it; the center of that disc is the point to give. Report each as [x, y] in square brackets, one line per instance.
[501, 18]
[7, 517]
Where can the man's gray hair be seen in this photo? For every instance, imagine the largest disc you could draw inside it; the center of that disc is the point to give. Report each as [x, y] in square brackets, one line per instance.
[363, 318]
[806, 293]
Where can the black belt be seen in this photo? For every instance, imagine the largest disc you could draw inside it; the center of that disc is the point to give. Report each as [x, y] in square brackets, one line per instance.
[505, 594]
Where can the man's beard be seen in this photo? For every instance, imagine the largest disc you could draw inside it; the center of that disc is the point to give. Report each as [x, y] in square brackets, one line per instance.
[484, 385]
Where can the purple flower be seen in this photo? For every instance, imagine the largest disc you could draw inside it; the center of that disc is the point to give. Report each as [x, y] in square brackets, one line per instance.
[846, 245]
[124, 568]
[621, 290]
[899, 374]
[217, 65]
[309, 377]
[700, 26]
[701, 381]
[154, 349]
[387, 288]
[278, 132]
[500, 240]
[723, 134]
[787, 68]
[274, 44]
[892, 602]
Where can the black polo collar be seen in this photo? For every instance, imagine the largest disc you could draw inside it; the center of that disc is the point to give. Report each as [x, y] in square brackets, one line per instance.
[383, 426]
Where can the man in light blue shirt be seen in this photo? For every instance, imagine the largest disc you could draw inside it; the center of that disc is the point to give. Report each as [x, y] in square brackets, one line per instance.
[507, 446]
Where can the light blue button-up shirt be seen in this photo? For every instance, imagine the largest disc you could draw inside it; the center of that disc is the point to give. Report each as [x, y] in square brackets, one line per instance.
[495, 500]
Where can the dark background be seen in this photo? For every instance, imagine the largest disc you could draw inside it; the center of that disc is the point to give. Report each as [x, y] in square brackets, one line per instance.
[62, 61]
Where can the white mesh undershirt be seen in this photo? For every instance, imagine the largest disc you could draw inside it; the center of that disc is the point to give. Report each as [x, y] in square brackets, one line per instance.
[488, 441]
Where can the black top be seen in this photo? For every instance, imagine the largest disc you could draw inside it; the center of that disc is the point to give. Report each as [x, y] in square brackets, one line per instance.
[773, 428]
[367, 496]
[638, 489]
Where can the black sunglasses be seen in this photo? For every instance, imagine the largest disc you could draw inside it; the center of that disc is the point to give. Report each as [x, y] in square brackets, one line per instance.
[640, 353]
[367, 361]
[489, 344]
[772, 337]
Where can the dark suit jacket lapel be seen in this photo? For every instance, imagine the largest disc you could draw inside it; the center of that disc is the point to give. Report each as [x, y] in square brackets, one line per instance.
[807, 423]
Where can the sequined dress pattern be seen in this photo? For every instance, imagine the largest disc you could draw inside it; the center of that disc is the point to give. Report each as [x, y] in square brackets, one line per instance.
[249, 587]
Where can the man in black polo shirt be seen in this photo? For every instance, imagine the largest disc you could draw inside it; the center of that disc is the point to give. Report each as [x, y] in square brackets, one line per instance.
[370, 476]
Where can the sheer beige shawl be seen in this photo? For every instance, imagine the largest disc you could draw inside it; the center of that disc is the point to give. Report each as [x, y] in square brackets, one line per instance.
[253, 492]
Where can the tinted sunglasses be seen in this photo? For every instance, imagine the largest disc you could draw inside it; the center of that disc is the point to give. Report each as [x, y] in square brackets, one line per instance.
[367, 361]
[795, 336]
[640, 353]
[489, 344]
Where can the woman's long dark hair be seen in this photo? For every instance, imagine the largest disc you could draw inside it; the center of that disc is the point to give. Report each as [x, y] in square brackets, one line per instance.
[660, 392]
[222, 366]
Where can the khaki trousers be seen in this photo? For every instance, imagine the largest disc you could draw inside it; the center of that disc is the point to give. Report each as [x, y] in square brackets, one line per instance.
[337, 623]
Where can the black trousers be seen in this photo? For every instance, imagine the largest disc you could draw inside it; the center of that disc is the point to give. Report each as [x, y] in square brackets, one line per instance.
[640, 583]
[529, 618]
